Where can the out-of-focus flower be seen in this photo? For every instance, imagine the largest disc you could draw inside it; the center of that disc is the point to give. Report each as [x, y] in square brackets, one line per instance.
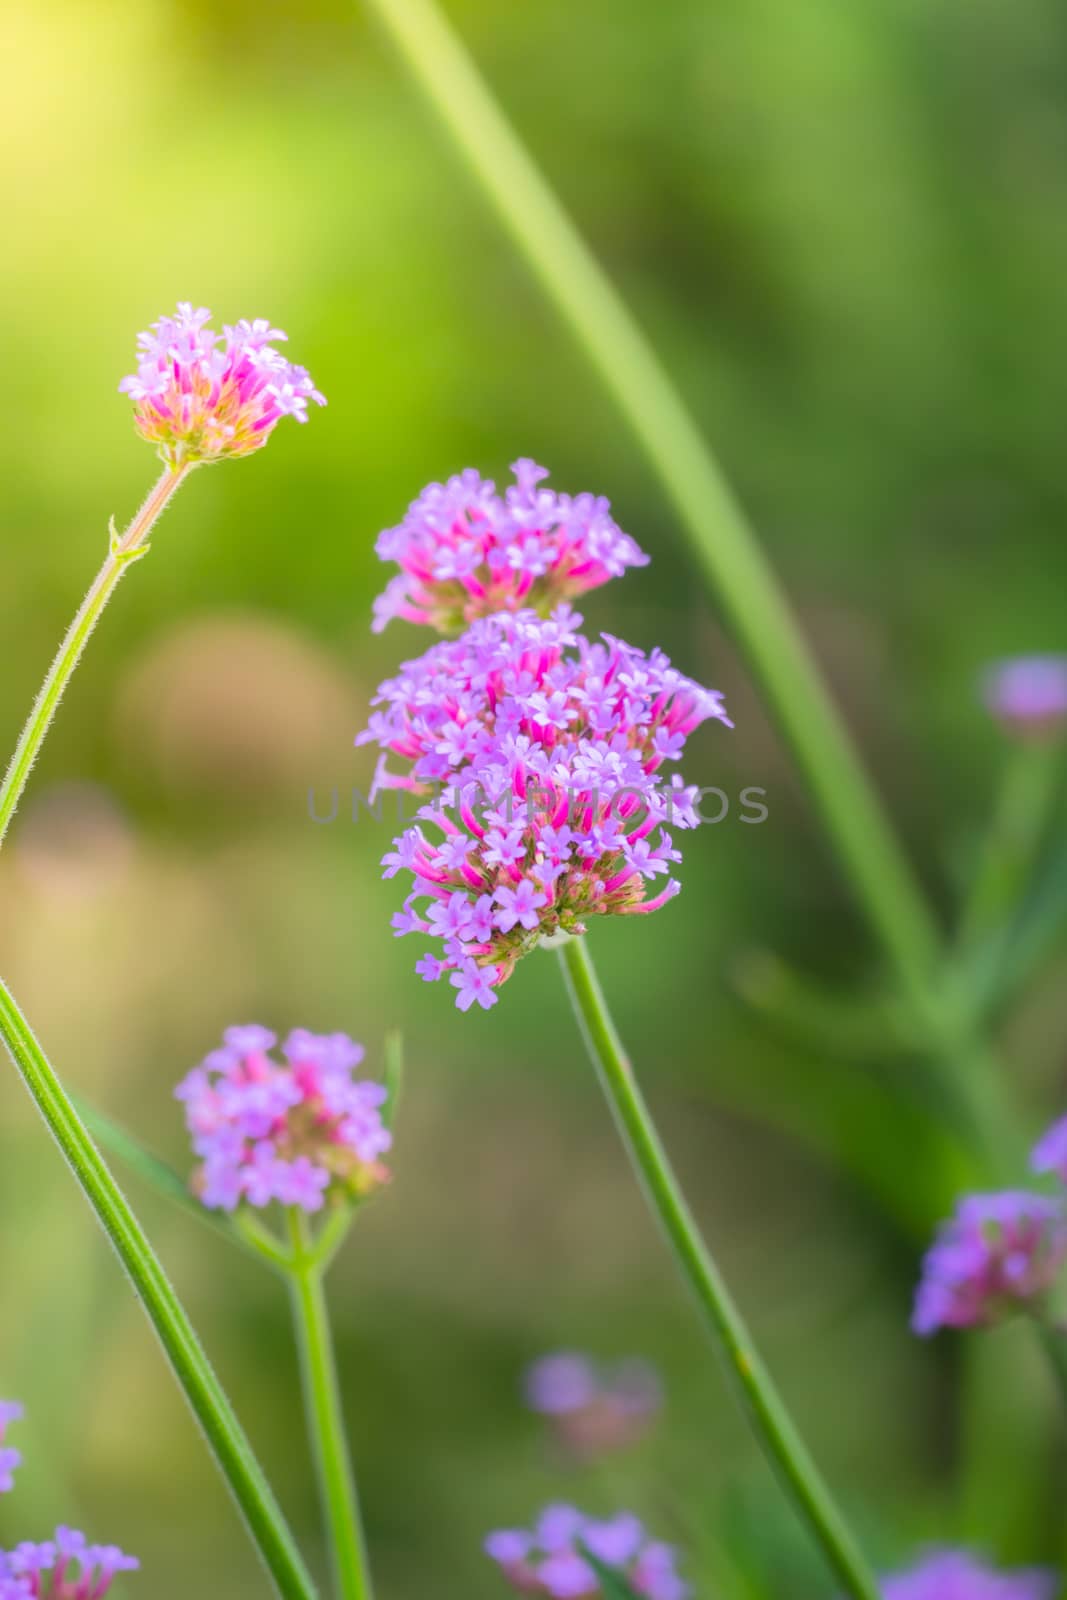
[999, 1253]
[66, 1567]
[550, 1560]
[203, 396]
[955, 1575]
[464, 551]
[543, 751]
[593, 1409]
[1050, 1151]
[298, 1133]
[1028, 695]
[10, 1411]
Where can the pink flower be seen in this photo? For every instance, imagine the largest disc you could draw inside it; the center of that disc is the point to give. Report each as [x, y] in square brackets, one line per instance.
[550, 1560]
[999, 1253]
[464, 551]
[296, 1133]
[203, 396]
[544, 754]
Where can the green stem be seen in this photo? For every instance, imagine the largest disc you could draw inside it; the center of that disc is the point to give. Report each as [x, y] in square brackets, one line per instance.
[190, 1365]
[721, 540]
[770, 1419]
[124, 549]
[322, 1405]
[1024, 806]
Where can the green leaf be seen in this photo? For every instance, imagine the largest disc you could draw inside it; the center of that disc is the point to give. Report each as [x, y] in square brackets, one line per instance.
[156, 1173]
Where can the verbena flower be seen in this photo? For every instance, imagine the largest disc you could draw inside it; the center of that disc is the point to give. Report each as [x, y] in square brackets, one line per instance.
[593, 1409]
[300, 1132]
[464, 551]
[549, 1560]
[544, 754]
[955, 1575]
[1028, 695]
[65, 1567]
[1050, 1151]
[10, 1411]
[203, 396]
[1000, 1252]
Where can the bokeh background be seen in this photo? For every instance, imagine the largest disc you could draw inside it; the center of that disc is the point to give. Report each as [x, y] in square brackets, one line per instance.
[845, 228]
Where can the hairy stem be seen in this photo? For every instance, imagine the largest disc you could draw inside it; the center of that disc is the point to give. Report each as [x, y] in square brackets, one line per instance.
[225, 1437]
[124, 549]
[322, 1405]
[723, 1320]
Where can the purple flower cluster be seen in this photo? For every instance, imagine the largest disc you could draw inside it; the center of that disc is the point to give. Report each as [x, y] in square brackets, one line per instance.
[66, 1567]
[954, 1575]
[1028, 695]
[297, 1133]
[593, 1409]
[464, 551]
[10, 1411]
[543, 751]
[202, 396]
[1000, 1252]
[550, 1560]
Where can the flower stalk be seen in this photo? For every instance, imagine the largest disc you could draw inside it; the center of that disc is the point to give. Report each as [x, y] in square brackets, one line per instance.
[322, 1405]
[723, 1320]
[124, 549]
[1021, 815]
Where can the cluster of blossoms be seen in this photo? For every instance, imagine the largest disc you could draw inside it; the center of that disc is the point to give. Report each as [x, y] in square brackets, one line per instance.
[203, 396]
[66, 1567]
[593, 1409]
[543, 753]
[1028, 695]
[999, 1252]
[954, 1575]
[464, 551]
[297, 1133]
[550, 1560]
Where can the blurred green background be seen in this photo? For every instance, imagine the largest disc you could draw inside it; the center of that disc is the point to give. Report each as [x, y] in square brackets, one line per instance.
[845, 227]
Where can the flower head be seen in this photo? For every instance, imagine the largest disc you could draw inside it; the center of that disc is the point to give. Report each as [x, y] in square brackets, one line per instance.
[203, 396]
[298, 1132]
[955, 1575]
[464, 551]
[997, 1254]
[543, 752]
[1028, 695]
[66, 1567]
[551, 1559]
[593, 1409]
